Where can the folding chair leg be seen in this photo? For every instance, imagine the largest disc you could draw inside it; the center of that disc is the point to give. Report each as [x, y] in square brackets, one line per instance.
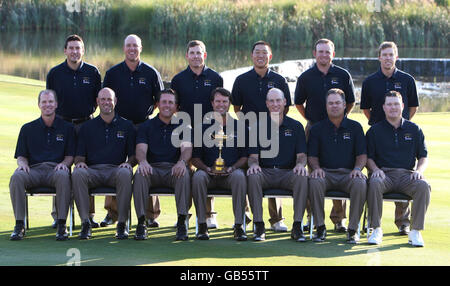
[364, 218]
[196, 225]
[311, 227]
[71, 218]
[244, 225]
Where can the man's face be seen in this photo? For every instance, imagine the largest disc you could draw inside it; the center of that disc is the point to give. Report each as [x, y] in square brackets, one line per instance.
[261, 56]
[196, 57]
[275, 101]
[47, 104]
[167, 106]
[335, 106]
[106, 101]
[74, 51]
[221, 104]
[393, 107]
[324, 54]
[132, 48]
[387, 58]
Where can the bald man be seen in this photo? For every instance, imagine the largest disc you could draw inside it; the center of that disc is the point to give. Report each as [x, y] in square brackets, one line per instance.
[135, 84]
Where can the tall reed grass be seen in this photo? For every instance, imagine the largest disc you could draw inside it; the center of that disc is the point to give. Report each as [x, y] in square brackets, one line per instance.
[350, 23]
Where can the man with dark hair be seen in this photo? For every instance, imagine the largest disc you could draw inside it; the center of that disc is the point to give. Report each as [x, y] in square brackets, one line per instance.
[136, 84]
[312, 86]
[76, 84]
[337, 154]
[105, 156]
[234, 157]
[249, 95]
[394, 145]
[44, 153]
[374, 87]
[162, 163]
[194, 86]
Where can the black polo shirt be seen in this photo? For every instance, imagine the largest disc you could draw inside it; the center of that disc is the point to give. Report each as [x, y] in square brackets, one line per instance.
[102, 143]
[336, 147]
[292, 141]
[231, 153]
[193, 89]
[396, 148]
[250, 90]
[376, 85]
[39, 143]
[158, 136]
[135, 90]
[313, 85]
[76, 89]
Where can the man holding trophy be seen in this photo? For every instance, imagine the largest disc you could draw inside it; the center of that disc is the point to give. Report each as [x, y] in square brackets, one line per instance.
[219, 161]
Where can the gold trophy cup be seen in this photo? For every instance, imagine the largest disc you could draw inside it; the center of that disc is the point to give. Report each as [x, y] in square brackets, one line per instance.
[219, 164]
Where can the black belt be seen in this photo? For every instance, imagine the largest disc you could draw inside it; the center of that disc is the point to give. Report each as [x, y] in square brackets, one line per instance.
[276, 167]
[75, 120]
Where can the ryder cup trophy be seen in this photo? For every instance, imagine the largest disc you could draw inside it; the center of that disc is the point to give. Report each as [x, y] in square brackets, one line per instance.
[219, 165]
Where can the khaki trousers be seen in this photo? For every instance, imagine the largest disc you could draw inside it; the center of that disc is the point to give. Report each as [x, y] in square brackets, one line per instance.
[162, 177]
[399, 180]
[102, 175]
[40, 175]
[339, 179]
[236, 182]
[277, 178]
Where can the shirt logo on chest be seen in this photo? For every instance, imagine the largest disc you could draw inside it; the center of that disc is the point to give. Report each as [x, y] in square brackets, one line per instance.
[408, 137]
[334, 80]
[270, 84]
[142, 80]
[288, 132]
[398, 85]
[120, 134]
[207, 82]
[86, 80]
[60, 137]
[346, 136]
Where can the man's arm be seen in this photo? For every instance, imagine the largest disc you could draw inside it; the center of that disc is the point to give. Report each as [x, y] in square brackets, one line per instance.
[317, 172]
[420, 169]
[300, 165]
[65, 164]
[144, 167]
[237, 108]
[367, 113]
[373, 168]
[301, 109]
[349, 107]
[80, 162]
[239, 164]
[22, 164]
[412, 111]
[253, 164]
[179, 169]
[360, 162]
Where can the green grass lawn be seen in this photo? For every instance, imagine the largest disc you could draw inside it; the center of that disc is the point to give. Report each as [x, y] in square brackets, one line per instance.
[18, 105]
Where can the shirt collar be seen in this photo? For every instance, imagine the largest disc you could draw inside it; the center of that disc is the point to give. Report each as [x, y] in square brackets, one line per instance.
[331, 70]
[113, 122]
[79, 68]
[53, 126]
[268, 73]
[381, 74]
[194, 75]
[343, 125]
[138, 68]
[402, 124]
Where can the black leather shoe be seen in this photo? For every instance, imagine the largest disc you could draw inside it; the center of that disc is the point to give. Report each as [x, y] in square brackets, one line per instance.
[55, 224]
[260, 232]
[321, 234]
[141, 232]
[352, 236]
[94, 224]
[239, 233]
[152, 222]
[107, 221]
[202, 232]
[61, 233]
[18, 233]
[297, 233]
[339, 227]
[121, 232]
[404, 230]
[86, 231]
[181, 228]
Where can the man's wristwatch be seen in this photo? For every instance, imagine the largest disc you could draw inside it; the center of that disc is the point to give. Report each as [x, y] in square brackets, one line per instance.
[182, 160]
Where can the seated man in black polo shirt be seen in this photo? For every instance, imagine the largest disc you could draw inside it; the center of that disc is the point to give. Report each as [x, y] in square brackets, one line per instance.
[44, 153]
[161, 163]
[105, 157]
[374, 87]
[394, 144]
[234, 159]
[337, 154]
[285, 169]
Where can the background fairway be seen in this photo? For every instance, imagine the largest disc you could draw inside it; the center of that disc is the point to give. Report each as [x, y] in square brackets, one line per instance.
[18, 105]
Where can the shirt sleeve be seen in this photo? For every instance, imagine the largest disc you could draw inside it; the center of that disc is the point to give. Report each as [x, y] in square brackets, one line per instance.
[21, 147]
[365, 96]
[287, 92]
[422, 151]
[141, 136]
[81, 143]
[313, 142]
[131, 141]
[300, 92]
[350, 90]
[236, 96]
[71, 141]
[361, 146]
[371, 147]
[301, 140]
[413, 99]
[107, 81]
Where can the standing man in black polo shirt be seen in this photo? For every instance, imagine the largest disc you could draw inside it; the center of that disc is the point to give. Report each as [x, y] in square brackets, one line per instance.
[161, 163]
[312, 86]
[235, 158]
[105, 157]
[249, 95]
[136, 85]
[388, 78]
[193, 87]
[337, 154]
[76, 84]
[286, 169]
[44, 153]
[394, 144]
